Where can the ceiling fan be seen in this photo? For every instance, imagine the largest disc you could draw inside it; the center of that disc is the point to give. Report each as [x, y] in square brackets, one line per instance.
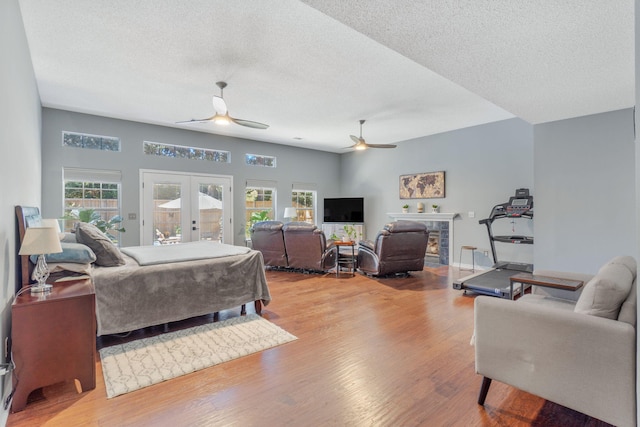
[361, 144]
[222, 117]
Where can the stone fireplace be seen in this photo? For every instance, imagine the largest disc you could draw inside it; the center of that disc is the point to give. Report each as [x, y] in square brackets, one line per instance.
[440, 226]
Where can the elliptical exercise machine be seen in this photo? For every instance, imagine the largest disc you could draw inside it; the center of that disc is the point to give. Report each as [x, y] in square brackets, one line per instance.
[495, 281]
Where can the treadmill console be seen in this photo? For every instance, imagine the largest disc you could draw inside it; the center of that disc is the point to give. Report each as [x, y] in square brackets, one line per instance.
[517, 207]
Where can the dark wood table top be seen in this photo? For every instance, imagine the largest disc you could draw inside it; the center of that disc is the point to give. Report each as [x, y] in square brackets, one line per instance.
[546, 281]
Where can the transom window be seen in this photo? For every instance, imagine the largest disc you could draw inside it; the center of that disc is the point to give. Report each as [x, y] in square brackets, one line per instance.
[92, 142]
[260, 160]
[182, 152]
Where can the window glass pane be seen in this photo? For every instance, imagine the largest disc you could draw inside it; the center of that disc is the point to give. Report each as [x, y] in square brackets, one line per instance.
[259, 206]
[110, 144]
[72, 140]
[305, 204]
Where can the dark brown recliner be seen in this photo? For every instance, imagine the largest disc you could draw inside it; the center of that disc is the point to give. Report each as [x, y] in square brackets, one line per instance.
[267, 237]
[398, 248]
[307, 247]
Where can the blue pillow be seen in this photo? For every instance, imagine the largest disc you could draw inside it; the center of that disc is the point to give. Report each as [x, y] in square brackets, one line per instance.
[71, 252]
[69, 238]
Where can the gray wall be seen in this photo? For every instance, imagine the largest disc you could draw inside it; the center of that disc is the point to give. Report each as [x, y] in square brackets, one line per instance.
[637, 179]
[293, 164]
[20, 147]
[483, 166]
[585, 182]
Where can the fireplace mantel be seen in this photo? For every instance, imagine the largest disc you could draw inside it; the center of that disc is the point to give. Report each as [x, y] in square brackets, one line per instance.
[431, 217]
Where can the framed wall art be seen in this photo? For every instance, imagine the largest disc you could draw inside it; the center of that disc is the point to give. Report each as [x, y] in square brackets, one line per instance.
[429, 185]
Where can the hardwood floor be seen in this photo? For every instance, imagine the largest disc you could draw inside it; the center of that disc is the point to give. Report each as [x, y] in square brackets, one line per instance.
[370, 352]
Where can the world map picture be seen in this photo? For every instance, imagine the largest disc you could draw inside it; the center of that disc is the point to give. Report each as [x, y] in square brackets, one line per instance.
[422, 185]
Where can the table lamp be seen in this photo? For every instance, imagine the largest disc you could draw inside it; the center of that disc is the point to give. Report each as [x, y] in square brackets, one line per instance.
[40, 241]
[290, 213]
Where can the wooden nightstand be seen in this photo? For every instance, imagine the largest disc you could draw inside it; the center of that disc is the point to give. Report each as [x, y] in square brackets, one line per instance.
[54, 338]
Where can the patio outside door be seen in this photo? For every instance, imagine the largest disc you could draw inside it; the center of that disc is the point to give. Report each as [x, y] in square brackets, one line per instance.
[180, 208]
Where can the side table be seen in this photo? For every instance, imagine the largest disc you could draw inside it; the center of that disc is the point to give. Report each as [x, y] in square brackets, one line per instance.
[345, 259]
[545, 281]
[54, 338]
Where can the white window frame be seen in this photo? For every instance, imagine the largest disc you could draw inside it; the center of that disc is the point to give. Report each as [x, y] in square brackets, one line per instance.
[93, 176]
[307, 188]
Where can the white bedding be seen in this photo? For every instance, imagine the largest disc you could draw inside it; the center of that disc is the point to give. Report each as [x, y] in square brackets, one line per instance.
[192, 251]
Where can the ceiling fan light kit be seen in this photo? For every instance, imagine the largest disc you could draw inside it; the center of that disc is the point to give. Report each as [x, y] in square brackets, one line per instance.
[222, 117]
[221, 120]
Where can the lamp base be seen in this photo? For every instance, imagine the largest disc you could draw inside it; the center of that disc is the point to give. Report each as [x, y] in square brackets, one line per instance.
[41, 289]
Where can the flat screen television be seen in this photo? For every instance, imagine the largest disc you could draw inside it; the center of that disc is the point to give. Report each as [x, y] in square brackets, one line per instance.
[344, 209]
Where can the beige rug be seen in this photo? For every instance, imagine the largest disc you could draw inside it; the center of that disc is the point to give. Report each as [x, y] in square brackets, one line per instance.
[137, 364]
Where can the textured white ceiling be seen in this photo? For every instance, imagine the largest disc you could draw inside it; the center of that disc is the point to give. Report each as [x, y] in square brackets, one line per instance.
[312, 69]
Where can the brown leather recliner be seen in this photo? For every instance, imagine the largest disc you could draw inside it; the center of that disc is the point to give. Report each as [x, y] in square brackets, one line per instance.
[267, 237]
[398, 248]
[307, 247]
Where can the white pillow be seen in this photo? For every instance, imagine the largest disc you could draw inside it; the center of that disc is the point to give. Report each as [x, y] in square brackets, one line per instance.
[604, 294]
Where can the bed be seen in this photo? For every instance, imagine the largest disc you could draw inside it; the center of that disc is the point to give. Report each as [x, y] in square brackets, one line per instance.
[167, 288]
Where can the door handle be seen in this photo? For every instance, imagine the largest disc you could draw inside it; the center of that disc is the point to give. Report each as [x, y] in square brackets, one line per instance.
[194, 228]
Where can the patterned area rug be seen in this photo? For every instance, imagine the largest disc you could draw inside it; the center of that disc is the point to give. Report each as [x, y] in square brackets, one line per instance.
[137, 364]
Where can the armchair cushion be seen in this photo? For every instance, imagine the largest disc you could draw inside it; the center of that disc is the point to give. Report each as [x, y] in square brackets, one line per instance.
[367, 244]
[604, 294]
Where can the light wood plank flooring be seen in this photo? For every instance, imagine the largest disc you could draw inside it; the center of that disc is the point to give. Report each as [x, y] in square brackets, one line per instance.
[371, 352]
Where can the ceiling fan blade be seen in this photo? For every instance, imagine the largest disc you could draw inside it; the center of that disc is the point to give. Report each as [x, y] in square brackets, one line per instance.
[249, 123]
[357, 140]
[196, 120]
[219, 105]
[381, 145]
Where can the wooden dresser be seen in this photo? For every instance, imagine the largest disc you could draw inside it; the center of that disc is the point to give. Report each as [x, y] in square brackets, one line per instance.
[54, 338]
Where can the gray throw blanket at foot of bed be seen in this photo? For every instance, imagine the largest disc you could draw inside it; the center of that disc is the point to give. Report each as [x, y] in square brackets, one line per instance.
[131, 296]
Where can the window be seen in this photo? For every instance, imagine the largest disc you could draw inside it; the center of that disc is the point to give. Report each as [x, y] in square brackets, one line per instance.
[93, 142]
[304, 201]
[260, 160]
[180, 152]
[260, 203]
[96, 192]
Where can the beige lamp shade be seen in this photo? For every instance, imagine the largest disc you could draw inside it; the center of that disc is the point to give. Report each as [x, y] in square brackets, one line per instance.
[51, 222]
[54, 223]
[290, 213]
[40, 240]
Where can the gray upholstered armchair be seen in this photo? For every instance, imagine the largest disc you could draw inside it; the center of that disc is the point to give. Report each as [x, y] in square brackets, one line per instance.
[267, 237]
[398, 248]
[307, 247]
[578, 353]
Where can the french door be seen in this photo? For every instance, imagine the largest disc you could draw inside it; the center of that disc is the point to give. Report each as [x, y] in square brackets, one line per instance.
[182, 207]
